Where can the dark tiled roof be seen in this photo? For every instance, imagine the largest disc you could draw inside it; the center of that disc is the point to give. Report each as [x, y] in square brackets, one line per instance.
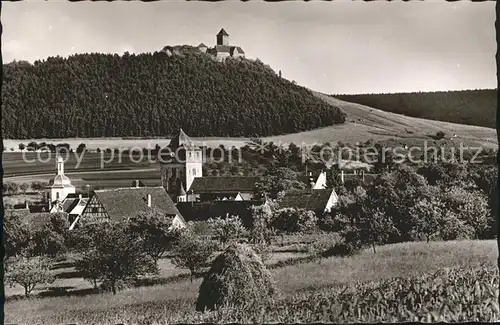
[223, 184]
[312, 200]
[124, 203]
[223, 32]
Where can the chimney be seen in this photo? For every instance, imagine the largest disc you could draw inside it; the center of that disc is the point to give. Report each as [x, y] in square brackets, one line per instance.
[342, 176]
[136, 183]
[149, 200]
[26, 204]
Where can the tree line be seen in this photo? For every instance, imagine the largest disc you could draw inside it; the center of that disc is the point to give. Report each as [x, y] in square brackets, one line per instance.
[472, 107]
[153, 94]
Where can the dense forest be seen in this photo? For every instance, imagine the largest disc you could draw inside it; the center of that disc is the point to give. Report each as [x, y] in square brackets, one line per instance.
[472, 107]
[153, 94]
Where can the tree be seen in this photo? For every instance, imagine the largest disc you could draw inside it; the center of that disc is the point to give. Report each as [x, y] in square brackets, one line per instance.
[38, 186]
[293, 220]
[51, 237]
[428, 215]
[24, 187]
[32, 146]
[228, 228]
[470, 206]
[16, 235]
[22, 146]
[81, 148]
[11, 188]
[192, 252]
[156, 232]
[28, 273]
[116, 257]
[361, 223]
[277, 180]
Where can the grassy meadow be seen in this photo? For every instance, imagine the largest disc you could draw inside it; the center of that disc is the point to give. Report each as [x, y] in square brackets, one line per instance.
[174, 300]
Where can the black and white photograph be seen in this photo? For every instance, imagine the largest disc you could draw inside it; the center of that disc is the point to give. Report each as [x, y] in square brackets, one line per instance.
[181, 162]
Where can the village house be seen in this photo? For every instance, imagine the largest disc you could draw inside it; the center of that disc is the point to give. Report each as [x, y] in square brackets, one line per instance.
[126, 203]
[73, 205]
[319, 201]
[217, 188]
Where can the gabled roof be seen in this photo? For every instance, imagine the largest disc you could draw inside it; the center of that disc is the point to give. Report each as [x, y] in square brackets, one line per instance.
[238, 49]
[312, 200]
[228, 184]
[124, 203]
[74, 205]
[180, 140]
[202, 45]
[222, 32]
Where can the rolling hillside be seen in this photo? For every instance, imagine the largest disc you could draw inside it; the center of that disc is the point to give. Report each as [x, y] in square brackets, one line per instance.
[365, 123]
[147, 95]
[471, 107]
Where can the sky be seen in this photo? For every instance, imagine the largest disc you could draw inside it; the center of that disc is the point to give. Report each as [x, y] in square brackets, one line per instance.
[333, 47]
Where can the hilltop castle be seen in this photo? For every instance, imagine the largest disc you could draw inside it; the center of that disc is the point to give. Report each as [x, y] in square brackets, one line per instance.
[222, 49]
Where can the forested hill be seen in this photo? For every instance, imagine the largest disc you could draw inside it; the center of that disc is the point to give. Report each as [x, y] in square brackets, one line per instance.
[472, 107]
[97, 95]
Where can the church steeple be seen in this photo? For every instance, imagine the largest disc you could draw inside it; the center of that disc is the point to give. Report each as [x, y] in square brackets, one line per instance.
[183, 164]
[60, 165]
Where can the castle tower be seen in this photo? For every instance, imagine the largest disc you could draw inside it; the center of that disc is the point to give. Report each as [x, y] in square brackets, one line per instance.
[180, 163]
[60, 185]
[223, 37]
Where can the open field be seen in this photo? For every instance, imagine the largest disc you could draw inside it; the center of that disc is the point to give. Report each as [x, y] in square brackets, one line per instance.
[161, 302]
[364, 123]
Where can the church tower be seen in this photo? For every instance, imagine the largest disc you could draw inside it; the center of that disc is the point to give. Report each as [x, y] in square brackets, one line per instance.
[60, 186]
[223, 37]
[180, 162]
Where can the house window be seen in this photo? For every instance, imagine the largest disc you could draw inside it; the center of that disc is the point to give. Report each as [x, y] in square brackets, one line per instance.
[194, 171]
[94, 210]
[190, 154]
[57, 195]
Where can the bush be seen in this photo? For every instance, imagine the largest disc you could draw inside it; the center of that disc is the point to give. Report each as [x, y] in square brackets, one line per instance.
[237, 277]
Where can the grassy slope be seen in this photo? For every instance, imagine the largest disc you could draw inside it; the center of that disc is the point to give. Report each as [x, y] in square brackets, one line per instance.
[364, 123]
[400, 260]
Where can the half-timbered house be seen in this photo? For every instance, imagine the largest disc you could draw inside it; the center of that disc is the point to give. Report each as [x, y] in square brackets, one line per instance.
[125, 203]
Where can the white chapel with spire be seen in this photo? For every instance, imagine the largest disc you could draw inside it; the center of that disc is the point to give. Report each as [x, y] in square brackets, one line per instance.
[60, 186]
